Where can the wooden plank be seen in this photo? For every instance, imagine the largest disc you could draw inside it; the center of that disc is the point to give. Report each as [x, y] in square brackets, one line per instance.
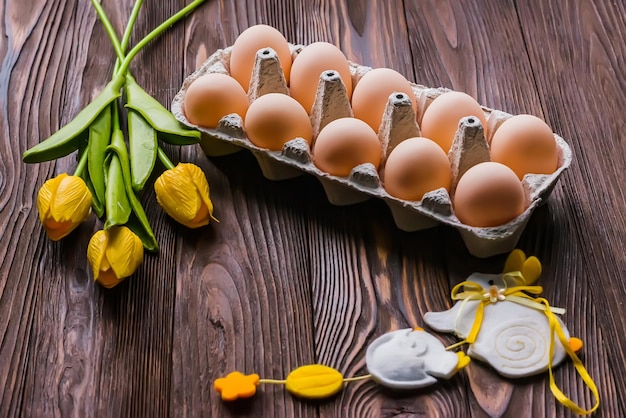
[44, 294]
[370, 279]
[484, 55]
[243, 292]
[137, 315]
[88, 350]
[577, 52]
[475, 47]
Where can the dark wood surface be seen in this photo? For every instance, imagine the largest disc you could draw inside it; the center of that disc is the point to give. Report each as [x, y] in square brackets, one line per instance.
[287, 279]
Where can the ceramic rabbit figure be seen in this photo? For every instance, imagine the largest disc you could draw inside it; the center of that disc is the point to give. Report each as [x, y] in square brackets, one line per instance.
[513, 336]
[411, 359]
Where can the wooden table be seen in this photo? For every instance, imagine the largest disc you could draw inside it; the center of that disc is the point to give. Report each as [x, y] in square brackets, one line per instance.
[286, 278]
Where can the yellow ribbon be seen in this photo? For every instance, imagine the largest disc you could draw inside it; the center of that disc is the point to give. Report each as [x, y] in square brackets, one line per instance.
[555, 326]
[474, 291]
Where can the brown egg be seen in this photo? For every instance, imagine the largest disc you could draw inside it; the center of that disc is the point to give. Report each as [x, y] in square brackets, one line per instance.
[489, 194]
[247, 44]
[416, 166]
[526, 144]
[312, 61]
[372, 92]
[345, 143]
[211, 97]
[274, 119]
[441, 118]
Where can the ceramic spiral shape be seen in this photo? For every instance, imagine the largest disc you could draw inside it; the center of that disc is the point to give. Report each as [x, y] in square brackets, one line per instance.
[518, 347]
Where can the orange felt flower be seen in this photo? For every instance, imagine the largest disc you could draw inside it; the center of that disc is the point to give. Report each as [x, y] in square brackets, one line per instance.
[237, 385]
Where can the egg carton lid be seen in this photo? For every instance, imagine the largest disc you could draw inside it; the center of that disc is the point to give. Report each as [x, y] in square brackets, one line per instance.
[364, 181]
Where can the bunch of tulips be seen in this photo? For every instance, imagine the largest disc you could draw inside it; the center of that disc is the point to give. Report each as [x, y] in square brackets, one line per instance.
[113, 168]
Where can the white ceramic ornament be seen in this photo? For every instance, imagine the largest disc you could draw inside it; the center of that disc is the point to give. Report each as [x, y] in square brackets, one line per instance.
[514, 338]
[411, 359]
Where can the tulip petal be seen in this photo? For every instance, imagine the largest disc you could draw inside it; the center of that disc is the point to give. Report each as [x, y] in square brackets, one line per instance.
[96, 251]
[104, 264]
[183, 192]
[177, 194]
[108, 279]
[202, 186]
[72, 201]
[57, 230]
[124, 252]
[202, 217]
[48, 199]
[46, 194]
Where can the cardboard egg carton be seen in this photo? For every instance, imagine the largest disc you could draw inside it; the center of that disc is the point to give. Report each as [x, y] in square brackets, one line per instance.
[470, 147]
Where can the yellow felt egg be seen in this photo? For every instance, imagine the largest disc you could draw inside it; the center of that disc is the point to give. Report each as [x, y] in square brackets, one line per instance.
[211, 97]
[372, 91]
[488, 194]
[441, 118]
[416, 166]
[345, 143]
[247, 44]
[314, 381]
[526, 144]
[309, 64]
[274, 119]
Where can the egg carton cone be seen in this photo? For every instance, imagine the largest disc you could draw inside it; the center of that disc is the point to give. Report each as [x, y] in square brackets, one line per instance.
[400, 121]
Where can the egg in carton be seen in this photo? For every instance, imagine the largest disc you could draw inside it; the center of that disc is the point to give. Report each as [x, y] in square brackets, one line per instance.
[470, 147]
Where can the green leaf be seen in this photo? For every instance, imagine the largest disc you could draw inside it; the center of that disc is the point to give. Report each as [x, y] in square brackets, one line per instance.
[119, 151]
[145, 235]
[161, 119]
[67, 139]
[142, 141]
[118, 208]
[99, 137]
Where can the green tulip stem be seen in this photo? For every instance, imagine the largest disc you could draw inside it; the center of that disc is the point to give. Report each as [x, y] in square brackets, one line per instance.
[156, 32]
[119, 48]
[82, 163]
[164, 159]
[109, 28]
[116, 118]
[127, 32]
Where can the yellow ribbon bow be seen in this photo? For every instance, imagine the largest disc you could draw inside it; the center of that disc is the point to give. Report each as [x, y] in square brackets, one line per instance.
[471, 291]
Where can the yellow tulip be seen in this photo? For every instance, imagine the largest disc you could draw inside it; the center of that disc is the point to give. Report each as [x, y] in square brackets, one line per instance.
[183, 192]
[114, 254]
[63, 203]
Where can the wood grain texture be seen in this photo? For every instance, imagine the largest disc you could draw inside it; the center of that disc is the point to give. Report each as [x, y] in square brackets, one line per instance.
[245, 287]
[588, 56]
[39, 338]
[286, 278]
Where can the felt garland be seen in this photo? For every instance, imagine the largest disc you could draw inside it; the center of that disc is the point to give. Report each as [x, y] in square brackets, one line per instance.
[413, 358]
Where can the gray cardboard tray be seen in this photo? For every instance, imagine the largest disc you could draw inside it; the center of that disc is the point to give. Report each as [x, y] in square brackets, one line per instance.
[470, 147]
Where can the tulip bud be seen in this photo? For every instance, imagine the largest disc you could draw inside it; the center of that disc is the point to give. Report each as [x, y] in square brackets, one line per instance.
[183, 192]
[63, 203]
[114, 254]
